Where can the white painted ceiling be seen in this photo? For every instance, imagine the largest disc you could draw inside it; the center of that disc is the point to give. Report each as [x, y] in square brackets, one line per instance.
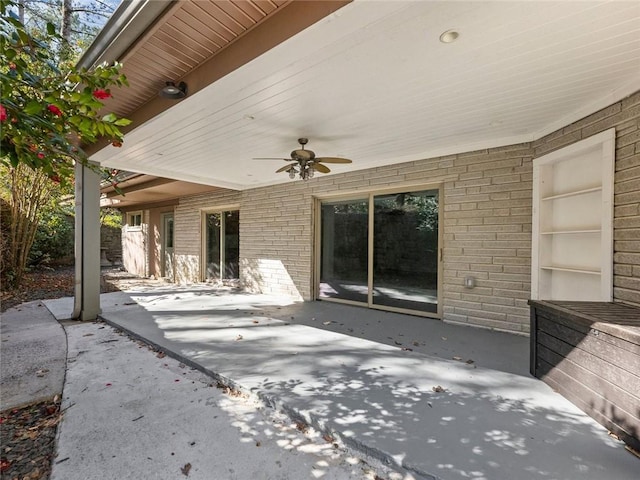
[372, 82]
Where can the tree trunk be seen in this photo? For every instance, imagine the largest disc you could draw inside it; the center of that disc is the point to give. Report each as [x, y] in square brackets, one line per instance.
[21, 12]
[30, 191]
[65, 20]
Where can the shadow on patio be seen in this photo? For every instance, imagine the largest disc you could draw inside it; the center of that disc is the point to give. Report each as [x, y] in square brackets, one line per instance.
[406, 401]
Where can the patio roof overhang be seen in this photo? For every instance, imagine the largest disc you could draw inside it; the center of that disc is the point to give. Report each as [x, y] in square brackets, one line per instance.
[140, 190]
[365, 80]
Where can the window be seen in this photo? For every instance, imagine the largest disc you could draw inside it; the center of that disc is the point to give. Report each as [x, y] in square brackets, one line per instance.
[134, 219]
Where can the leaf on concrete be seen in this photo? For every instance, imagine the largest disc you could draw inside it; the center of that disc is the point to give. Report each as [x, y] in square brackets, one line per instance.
[438, 389]
[185, 470]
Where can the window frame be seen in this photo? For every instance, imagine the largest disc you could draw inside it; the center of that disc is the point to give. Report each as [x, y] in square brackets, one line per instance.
[131, 216]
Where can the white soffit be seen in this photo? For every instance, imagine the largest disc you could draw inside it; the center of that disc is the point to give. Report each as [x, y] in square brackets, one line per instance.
[372, 82]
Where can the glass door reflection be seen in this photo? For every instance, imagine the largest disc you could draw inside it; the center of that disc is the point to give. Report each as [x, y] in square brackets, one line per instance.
[344, 250]
[405, 250]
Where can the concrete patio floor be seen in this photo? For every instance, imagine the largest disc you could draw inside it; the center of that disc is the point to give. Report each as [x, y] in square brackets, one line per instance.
[442, 401]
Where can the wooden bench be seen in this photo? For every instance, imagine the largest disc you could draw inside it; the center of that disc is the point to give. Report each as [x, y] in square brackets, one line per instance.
[590, 353]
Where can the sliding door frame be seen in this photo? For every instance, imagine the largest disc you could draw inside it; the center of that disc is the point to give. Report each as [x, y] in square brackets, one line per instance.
[370, 195]
[203, 238]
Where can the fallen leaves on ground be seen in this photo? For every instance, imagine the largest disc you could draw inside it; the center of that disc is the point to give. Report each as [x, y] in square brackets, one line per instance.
[230, 391]
[45, 284]
[438, 389]
[185, 470]
[27, 436]
[302, 427]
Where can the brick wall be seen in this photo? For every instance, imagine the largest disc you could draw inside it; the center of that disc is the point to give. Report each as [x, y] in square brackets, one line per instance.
[187, 231]
[487, 225]
[486, 222]
[625, 117]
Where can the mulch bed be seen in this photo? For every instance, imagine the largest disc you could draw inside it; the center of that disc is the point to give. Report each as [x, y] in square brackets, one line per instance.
[44, 284]
[27, 437]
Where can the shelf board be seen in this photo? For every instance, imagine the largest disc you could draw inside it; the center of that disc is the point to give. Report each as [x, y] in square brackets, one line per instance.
[568, 232]
[573, 194]
[570, 269]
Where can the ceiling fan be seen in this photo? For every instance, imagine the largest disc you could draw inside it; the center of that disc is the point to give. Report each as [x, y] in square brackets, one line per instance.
[305, 163]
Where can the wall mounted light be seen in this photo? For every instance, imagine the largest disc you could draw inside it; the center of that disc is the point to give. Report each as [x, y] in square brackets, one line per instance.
[469, 282]
[173, 91]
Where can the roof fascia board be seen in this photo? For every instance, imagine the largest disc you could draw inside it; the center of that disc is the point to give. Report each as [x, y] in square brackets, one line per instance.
[290, 20]
[129, 21]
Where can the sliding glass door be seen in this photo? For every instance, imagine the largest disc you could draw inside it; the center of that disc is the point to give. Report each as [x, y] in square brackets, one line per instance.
[344, 257]
[405, 250]
[382, 251]
[222, 245]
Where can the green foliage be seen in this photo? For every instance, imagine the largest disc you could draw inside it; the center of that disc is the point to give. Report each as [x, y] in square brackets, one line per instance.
[47, 110]
[78, 21]
[110, 217]
[54, 239]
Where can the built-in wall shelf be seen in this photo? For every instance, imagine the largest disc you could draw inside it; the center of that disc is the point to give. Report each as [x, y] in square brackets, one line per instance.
[573, 194]
[570, 232]
[570, 269]
[572, 243]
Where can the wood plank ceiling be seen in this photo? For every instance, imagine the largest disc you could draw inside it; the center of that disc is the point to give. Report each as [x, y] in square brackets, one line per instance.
[190, 33]
[369, 81]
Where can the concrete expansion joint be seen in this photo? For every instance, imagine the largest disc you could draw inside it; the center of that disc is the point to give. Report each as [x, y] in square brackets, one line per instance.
[295, 415]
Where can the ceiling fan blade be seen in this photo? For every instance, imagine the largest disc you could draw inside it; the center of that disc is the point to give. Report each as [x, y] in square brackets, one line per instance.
[320, 168]
[285, 168]
[332, 160]
[272, 158]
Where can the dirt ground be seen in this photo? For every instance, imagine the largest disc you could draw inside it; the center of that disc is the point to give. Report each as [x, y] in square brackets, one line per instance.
[45, 284]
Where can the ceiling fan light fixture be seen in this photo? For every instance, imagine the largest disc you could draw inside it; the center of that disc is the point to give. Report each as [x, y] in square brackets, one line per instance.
[305, 163]
[173, 91]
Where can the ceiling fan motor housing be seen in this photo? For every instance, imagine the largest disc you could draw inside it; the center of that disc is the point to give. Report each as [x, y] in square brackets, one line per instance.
[302, 154]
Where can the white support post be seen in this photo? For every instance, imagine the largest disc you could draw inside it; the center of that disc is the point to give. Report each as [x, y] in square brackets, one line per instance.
[87, 244]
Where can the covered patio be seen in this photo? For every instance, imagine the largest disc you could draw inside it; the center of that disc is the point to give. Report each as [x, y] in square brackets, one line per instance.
[438, 400]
